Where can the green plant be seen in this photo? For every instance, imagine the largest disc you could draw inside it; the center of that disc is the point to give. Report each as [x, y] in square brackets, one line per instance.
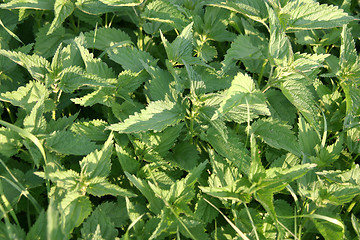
[191, 119]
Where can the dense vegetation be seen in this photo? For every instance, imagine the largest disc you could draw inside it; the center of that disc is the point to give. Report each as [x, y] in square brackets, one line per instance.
[179, 119]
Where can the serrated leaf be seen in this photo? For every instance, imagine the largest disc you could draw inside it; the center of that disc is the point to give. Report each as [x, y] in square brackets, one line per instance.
[26, 96]
[99, 186]
[253, 9]
[62, 9]
[131, 58]
[65, 179]
[29, 4]
[46, 45]
[98, 163]
[241, 92]
[60, 123]
[156, 116]
[36, 65]
[241, 49]
[68, 143]
[127, 160]
[165, 12]
[103, 95]
[104, 38]
[233, 149]
[10, 142]
[98, 218]
[74, 209]
[279, 45]
[74, 77]
[276, 134]
[155, 203]
[94, 129]
[303, 99]
[301, 14]
[35, 121]
[94, 7]
[122, 3]
[159, 87]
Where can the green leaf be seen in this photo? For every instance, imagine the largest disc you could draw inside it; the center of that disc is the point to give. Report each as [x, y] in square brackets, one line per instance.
[61, 123]
[46, 45]
[127, 160]
[279, 45]
[303, 99]
[243, 48]
[280, 108]
[26, 96]
[241, 92]
[62, 9]
[185, 155]
[10, 142]
[165, 12]
[329, 225]
[105, 38]
[99, 186]
[301, 14]
[355, 224]
[155, 203]
[122, 3]
[37, 66]
[29, 4]
[156, 116]
[94, 129]
[31, 137]
[65, 179]
[233, 149]
[93, 7]
[159, 87]
[74, 77]
[276, 134]
[68, 143]
[98, 218]
[53, 231]
[35, 121]
[74, 209]
[98, 163]
[38, 229]
[131, 58]
[253, 9]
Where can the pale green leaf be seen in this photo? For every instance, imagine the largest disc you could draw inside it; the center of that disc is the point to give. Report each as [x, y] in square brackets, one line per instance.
[329, 225]
[301, 14]
[122, 3]
[127, 159]
[62, 9]
[159, 87]
[74, 209]
[35, 122]
[156, 116]
[104, 38]
[68, 143]
[26, 96]
[98, 163]
[38, 229]
[277, 135]
[253, 9]
[131, 58]
[10, 142]
[241, 92]
[102, 95]
[61, 123]
[98, 186]
[94, 7]
[74, 77]
[65, 179]
[279, 45]
[36, 65]
[29, 4]
[94, 129]
[303, 99]
[165, 12]
[355, 224]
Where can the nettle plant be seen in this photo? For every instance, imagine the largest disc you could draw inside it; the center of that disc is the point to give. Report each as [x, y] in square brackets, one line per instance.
[133, 119]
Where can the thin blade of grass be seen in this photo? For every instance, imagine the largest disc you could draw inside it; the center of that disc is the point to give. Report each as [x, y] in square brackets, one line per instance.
[238, 231]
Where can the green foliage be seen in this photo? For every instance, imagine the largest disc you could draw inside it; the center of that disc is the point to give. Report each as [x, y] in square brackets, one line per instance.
[165, 119]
